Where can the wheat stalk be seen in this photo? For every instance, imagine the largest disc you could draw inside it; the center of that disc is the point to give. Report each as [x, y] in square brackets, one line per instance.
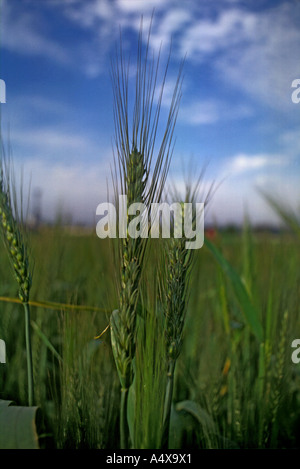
[16, 247]
[174, 294]
[133, 176]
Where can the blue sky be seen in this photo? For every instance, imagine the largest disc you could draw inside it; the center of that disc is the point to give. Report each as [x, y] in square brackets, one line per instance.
[236, 112]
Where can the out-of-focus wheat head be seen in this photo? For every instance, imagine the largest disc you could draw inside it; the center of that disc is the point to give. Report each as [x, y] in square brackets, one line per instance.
[11, 226]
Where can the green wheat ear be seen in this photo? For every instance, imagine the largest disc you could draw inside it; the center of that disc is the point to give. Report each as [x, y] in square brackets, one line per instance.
[12, 234]
[142, 182]
[13, 237]
[175, 277]
[16, 250]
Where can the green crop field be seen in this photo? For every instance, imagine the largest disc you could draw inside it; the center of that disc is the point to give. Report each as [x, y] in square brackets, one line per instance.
[231, 388]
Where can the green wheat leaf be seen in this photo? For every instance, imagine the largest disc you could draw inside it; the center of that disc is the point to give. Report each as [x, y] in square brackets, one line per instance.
[250, 312]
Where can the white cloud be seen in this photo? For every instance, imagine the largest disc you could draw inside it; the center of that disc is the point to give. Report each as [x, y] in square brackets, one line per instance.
[211, 111]
[265, 64]
[207, 36]
[81, 186]
[170, 24]
[199, 113]
[89, 13]
[237, 197]
[252, 51]
[240, 178]
[255, 51]
[77, 188]
[243, 163]
[232, 202]
[234, 198]
[140, 6]
[53, 140]
[22, 33]
[291, 142]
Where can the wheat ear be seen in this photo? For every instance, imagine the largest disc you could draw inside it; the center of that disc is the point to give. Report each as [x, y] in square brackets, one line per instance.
[14, 241]
[174, 294]
[135, 146]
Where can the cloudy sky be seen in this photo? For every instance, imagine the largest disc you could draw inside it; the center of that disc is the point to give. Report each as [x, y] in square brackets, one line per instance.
[236, 115]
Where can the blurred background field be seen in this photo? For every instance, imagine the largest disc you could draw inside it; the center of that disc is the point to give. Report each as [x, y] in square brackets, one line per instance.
[243, 398]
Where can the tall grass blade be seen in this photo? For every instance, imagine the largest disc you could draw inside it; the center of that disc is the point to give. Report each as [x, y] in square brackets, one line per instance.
[250, 312]
[290, 218]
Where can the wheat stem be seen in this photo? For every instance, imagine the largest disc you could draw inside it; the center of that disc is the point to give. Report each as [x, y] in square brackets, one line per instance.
[124, 433]
[175, 283]
[13, 238]
[168, 403]
[29, 355]
[132, 177]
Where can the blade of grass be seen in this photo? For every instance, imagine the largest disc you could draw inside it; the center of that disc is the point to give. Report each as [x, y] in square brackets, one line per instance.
[45, 340]
[286, 214]
[250, 312]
